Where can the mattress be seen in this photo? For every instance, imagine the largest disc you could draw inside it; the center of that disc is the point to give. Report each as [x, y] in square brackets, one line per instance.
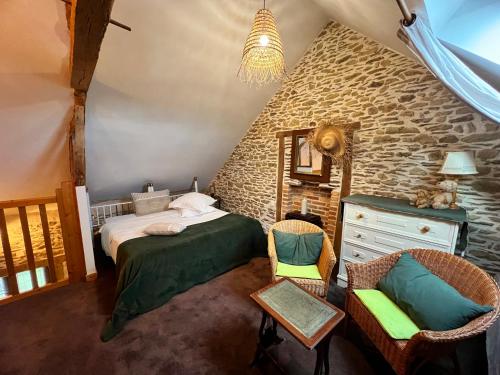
[119, 229]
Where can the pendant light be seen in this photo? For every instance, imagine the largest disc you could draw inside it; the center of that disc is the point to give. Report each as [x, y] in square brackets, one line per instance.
[263, 60]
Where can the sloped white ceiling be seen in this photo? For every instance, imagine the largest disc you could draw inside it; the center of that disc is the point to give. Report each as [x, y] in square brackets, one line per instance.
[469, 28]
[165, 104]
[472, 33]
[377, 19]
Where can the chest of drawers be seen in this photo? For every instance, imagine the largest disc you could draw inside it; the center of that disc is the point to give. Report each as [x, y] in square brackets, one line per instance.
[377, 226]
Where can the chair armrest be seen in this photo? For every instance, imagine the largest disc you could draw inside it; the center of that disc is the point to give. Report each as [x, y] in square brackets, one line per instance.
[473, 328]
[367, 275]
[271, 251]
[326, 260]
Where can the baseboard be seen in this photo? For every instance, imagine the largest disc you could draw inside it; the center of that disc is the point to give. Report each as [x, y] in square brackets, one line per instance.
[91, 276]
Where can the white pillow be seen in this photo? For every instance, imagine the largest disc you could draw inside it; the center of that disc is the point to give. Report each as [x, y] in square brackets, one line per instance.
[164, 229]
[151, 202]
[193, 201]
[187, 212]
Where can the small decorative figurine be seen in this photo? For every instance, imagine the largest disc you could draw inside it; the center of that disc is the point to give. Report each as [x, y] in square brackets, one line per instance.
[446, 196]
[423, 199]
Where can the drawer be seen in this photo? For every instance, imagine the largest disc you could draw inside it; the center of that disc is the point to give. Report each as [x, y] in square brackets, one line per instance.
[421, 228]
[359, 253]
[387, 242]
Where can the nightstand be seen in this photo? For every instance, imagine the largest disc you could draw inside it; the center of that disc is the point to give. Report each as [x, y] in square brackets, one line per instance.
[310, 218]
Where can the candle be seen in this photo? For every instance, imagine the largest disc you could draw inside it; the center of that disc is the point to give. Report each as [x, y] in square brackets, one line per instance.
[303, 207]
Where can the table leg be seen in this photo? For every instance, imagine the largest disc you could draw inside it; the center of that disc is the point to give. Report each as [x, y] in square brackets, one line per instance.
[275, 338]
[319, 359]
[326, 353]
[260, 344]
[322, 356]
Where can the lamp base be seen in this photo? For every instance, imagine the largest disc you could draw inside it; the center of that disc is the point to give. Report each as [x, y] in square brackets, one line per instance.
[454, 206]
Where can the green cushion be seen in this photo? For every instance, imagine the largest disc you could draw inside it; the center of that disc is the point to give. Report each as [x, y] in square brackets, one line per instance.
[427, 299]
[298, 249]
[392, 319]
[302, 272]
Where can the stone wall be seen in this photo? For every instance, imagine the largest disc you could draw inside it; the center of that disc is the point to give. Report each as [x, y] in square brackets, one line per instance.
[408, 121]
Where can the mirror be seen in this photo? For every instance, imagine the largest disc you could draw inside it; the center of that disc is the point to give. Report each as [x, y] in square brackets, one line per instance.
[308, 163]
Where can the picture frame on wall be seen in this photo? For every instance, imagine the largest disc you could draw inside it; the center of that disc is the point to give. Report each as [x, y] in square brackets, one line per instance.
[307, 163]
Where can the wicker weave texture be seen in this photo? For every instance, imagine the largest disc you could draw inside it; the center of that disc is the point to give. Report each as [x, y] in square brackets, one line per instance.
[467, 278]
[326, 260]
[263, 59]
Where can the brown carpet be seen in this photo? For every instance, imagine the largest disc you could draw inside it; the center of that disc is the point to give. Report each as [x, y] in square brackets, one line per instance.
[210, 329]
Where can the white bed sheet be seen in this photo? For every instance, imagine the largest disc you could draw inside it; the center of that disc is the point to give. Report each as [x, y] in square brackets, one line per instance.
[126, 227]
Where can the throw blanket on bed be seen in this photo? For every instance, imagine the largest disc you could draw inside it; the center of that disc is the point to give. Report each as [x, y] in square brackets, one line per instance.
[151, 270]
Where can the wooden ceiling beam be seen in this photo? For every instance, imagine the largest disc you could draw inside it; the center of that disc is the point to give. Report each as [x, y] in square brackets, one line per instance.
[88, 24]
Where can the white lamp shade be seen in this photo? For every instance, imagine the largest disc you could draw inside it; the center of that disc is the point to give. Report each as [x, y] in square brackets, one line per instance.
[460, 162]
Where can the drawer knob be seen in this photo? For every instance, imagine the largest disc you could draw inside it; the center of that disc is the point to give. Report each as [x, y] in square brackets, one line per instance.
[425, 229]
[356, 255]
[360, 216]
[358, 235]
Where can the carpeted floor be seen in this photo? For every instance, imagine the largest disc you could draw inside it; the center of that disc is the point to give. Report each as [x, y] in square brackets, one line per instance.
[210, 329]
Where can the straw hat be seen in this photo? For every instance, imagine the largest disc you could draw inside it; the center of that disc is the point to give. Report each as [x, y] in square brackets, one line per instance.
[329, 140]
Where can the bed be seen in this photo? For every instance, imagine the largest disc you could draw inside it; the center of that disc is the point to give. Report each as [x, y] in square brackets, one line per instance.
[153, 269]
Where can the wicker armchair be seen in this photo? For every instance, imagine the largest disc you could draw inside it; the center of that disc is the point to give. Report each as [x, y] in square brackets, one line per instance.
[407, 356]
[326, 259]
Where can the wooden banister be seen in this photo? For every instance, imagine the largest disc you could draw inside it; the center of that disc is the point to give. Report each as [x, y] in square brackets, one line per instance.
[72, 236]
[9, 261]
[37, 237]
[48, 243]
[27, 202]
[28, 245]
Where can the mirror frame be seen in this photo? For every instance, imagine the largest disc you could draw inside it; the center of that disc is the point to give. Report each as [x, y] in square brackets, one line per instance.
[326, 163]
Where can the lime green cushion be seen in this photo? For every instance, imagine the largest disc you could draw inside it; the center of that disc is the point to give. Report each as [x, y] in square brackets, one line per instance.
[298, 249]
[302, 272]
[392, 319]
[427, 299]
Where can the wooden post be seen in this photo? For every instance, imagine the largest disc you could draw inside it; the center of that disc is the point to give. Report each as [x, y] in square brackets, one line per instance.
[88, 21]
[345, 189]
[70, 226]
[279, 182]
[77, 140]
[281, 166]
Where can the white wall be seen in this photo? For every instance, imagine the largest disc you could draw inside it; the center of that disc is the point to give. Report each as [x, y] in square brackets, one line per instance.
[165, 104]
[35, 98]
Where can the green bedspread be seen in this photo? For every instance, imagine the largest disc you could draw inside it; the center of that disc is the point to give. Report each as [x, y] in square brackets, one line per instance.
[151, 270]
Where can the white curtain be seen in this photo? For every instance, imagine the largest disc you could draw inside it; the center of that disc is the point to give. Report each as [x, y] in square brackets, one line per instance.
[457, 76]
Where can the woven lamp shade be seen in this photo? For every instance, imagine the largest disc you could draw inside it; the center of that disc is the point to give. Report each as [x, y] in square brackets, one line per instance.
[263, 59]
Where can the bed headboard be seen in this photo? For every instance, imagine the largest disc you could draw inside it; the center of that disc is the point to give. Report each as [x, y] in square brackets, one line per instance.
[101, 211]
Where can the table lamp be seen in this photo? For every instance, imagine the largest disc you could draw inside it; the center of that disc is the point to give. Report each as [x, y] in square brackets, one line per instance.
[458, 163]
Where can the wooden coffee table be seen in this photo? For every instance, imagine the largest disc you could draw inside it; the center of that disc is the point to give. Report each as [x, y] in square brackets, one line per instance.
[307, 317]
